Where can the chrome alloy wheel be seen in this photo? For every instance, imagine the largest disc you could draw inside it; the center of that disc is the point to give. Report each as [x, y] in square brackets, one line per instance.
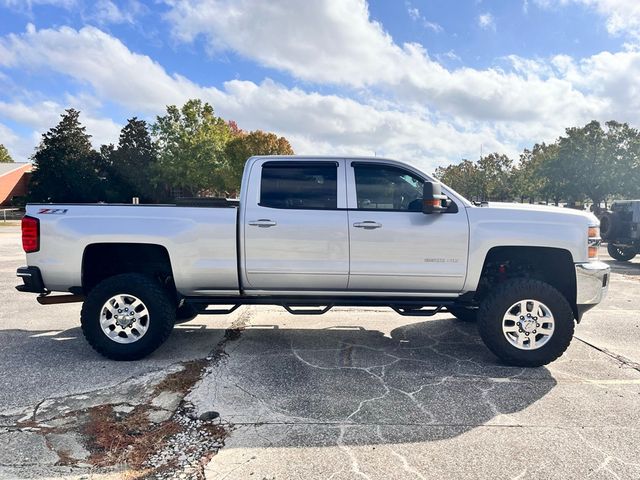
[124, 318]
[528, 324]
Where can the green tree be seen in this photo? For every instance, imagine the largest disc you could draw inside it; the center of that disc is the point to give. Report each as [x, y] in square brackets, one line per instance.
[495, 177]
[191, 142]
[594, 162]
[245, 145]
[487, 179]
[528, 180]
[66, 166]
[622, 145]
[132, 166]
[4, 155]
[463, 178]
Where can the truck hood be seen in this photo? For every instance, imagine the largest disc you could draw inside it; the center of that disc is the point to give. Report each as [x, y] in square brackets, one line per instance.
[535, 210]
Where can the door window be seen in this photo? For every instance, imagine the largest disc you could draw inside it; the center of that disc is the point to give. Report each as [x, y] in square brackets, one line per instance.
[383, 187]
[308, 185]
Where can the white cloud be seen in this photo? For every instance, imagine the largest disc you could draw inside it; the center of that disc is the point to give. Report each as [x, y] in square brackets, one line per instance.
[99, 60]
[622, 16]
[337, 43]
[27, 5]
[416, 16]
[13, 143]
[315, 123]
[443, 114]
[486, 21]
[413, 12]
[42, 115]
[106, 11]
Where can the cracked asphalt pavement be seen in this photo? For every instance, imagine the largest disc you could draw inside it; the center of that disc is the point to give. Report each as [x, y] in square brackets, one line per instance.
[355, 393]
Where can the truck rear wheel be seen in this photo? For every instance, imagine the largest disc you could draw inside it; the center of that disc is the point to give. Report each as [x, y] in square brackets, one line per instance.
[128, 316]
[622, 254]
[526, 323]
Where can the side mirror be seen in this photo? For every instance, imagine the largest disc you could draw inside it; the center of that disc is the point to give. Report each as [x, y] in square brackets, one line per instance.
[433, 201]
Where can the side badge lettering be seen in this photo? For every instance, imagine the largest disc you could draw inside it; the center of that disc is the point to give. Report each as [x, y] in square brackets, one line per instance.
[52, 211]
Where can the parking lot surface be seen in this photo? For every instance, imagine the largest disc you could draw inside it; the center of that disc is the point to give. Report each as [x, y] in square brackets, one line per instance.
[355, 393]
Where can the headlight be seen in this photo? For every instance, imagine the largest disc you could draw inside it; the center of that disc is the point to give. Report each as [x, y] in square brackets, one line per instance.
[594, 242]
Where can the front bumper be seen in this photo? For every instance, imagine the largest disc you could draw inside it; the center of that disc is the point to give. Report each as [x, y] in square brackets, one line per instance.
[592, 282]
[31, 280]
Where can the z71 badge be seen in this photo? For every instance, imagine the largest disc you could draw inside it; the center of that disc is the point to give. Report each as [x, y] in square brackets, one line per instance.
[52, 211]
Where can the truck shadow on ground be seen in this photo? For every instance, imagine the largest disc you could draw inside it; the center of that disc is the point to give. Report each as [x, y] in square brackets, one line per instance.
[434, 377]
[433, 373]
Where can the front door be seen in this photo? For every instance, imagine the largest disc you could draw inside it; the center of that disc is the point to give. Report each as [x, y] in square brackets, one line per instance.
[295, 226]
[394, 246]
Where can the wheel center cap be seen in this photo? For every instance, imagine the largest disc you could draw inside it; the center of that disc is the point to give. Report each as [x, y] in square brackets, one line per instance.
[125, 321]
[528, 325]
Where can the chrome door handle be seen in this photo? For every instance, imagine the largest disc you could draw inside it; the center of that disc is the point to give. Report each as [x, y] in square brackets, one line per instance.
[367, 225]
[263, 223]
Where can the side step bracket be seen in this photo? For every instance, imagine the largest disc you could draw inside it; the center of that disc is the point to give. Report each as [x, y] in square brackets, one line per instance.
[306, 310]
[416, 312]
[220, 311]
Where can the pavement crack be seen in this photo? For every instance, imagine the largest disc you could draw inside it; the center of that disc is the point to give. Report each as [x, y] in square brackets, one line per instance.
[619, 358]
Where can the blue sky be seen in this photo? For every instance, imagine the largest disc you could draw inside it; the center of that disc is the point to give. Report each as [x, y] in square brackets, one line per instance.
[426, 81]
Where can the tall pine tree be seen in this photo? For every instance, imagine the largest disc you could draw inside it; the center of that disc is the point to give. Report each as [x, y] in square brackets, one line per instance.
[66, 166]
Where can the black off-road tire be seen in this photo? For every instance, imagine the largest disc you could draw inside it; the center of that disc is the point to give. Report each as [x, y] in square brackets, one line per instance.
[621, 254]
[501, 298]
[162, 315]
[608, 226]
[464, 314]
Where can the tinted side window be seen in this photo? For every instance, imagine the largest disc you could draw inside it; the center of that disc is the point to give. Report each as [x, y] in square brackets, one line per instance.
[380, 187]
[312, 186]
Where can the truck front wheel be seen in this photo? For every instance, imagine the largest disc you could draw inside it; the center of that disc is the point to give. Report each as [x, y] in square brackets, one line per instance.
[526, 323]
[128, 316]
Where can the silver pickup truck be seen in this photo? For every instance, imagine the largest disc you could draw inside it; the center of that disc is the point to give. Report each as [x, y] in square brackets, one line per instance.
[310, 233]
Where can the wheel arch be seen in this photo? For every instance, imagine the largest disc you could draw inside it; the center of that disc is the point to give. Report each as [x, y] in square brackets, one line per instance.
[104, 260]
[554, 266]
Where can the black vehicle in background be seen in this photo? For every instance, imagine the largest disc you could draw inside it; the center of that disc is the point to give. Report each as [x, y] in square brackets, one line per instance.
[620, 228]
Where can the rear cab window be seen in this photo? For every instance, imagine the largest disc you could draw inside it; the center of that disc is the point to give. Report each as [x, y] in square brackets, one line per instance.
[299, 185]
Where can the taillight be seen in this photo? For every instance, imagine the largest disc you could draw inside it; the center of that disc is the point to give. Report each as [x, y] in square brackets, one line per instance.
[30, 234]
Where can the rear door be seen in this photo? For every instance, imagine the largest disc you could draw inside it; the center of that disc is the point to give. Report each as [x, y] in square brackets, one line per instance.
[295, 226]
[394, 246]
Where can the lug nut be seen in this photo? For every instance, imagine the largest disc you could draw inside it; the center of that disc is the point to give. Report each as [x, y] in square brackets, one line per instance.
[537, 325]
[526, 333]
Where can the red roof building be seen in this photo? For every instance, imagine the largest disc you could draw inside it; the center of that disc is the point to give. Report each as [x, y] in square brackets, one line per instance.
[14, 180]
